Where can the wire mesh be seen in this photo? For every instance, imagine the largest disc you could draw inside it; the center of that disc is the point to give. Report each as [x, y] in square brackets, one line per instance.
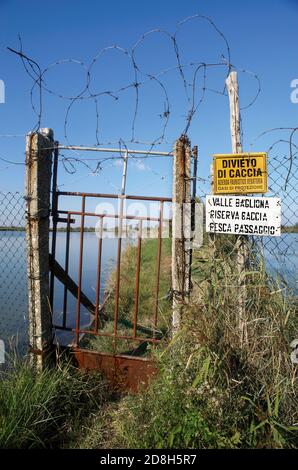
[193, 77]
[280, 253]
[13, 272]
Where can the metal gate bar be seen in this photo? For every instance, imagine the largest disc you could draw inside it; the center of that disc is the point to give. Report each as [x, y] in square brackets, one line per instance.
[138, 269]
[66, 268]
[116, 313]
[115, 196]
[80, 270]
[98, 277]
[98, 320]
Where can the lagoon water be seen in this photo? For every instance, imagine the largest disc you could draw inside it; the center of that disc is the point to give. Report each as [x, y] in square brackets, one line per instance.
[13, 280]
[13, 275]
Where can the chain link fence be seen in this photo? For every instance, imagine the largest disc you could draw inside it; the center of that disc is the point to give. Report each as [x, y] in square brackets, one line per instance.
[13, 272]
[280, 253]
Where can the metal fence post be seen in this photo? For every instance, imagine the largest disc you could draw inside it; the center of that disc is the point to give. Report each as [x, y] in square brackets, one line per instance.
[39, 152]
[180, 250]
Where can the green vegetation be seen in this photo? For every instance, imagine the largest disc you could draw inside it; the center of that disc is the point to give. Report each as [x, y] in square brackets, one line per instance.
[147, 295]
[290, 229]
[46, 409]
[217, 387]
[284, 229]
[215, 390]
[3, 228]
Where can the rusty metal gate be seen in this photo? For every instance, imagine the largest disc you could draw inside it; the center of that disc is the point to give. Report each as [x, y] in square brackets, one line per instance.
[126, 369]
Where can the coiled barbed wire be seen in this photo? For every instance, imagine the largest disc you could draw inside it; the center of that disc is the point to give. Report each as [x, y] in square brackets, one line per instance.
[194, 88]
[193, 76]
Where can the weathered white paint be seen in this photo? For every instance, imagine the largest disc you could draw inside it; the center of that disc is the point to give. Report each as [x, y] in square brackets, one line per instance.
[241, 247]
[38, 180]
[2, 351]
[233, 89]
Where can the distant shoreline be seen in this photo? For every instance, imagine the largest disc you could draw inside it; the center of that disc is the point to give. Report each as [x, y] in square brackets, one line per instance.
[293, 229]
[290, 229]
[63, 230]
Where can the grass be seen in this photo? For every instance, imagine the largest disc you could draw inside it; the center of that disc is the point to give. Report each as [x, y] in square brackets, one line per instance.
[215, 391]
[57, 407]
[147, 295]
[46, 410]
[148, 276]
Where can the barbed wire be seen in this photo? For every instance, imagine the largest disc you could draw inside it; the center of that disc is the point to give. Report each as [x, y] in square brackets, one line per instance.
[292, 146]
[193, 77]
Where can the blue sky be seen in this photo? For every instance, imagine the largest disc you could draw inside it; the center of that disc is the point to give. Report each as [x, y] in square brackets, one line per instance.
[263, 39]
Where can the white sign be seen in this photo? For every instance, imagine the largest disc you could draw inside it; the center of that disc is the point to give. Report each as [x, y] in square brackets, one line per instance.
[242, 215]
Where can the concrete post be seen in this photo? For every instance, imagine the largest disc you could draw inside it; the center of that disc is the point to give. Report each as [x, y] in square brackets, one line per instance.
[39, 150]
[180, 233]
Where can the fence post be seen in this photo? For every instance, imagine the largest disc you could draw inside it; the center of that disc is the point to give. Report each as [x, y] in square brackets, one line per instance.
[180, 248]
[193, 210]
[241, 246]
[39, 152]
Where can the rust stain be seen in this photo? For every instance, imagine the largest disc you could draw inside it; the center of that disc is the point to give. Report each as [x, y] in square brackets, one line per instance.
[126, 373]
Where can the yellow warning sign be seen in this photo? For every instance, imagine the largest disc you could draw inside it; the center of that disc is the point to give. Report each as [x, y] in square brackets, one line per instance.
[242, 173]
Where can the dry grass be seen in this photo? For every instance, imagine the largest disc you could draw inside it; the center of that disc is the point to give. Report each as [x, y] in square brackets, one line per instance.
[214, 390]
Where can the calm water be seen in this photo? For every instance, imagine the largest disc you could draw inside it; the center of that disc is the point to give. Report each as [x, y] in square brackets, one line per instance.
[90, 257]
[13, 279]
[281, 256]
[280, 253]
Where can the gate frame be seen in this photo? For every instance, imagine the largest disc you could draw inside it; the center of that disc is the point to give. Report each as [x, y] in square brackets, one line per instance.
[126, 372]
[133, 371]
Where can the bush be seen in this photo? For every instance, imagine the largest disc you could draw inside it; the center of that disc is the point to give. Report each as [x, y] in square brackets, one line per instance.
[216, 390]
